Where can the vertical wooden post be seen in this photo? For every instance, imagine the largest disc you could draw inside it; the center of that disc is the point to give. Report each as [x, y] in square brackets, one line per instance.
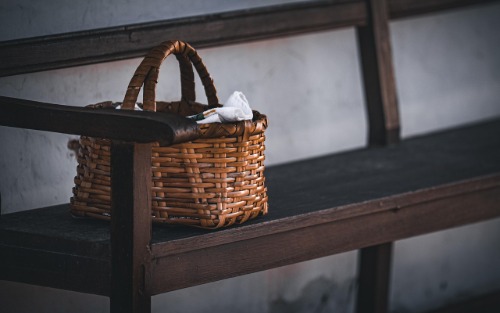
[378, 75]
[374, 276]
[130, 227]
[384, 128]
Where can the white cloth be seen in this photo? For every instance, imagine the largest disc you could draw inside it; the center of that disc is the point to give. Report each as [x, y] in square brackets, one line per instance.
[137, 108]
[235, 109]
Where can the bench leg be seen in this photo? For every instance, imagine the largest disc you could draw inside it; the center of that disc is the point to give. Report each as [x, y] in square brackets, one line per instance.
[130, 227]
[374, 279]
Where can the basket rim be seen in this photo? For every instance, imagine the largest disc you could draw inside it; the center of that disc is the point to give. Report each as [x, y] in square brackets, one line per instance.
[257, 125]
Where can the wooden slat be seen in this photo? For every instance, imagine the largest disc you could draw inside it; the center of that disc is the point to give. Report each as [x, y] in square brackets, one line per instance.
[129, 41]
[274, 250]
[136, 126]
[57, 51]
[54, 229]
[378, 75]
[37, 247]
[130, 227]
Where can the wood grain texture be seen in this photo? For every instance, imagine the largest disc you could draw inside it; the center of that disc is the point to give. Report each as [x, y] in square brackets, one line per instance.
[354, 200]
[378, 75]
[138, 126]
[130, 227]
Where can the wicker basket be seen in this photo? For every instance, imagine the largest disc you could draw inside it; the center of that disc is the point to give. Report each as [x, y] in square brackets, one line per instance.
[214, 181]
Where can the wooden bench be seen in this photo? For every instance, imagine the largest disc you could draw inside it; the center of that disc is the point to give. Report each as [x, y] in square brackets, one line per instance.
[363, 199]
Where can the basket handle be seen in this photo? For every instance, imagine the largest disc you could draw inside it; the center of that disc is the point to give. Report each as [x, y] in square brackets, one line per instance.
[147, 74]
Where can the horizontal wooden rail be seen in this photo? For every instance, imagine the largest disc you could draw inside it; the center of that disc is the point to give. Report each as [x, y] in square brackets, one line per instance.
[129, 41]
[137, 126]
[100, 45]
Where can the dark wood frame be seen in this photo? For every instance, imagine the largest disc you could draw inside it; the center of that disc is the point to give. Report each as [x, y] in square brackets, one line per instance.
[129, 41]
[132, 258]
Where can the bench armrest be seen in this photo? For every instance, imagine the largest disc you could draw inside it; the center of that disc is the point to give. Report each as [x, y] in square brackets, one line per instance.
[135, 126]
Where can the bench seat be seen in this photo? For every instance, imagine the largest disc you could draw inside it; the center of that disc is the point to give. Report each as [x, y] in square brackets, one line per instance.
[318, 207]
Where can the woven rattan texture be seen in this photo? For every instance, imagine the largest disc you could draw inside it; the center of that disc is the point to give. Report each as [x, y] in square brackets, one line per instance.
[217, 180]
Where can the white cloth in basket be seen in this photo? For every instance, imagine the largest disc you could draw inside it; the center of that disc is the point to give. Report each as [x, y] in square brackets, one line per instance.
[235, 109]
[137, 108]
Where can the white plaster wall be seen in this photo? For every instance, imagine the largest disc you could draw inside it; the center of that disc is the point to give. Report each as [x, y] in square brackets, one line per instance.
[448, 68]
[286, 79]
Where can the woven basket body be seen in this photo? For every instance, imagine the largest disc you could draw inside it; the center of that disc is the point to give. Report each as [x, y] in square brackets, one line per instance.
[214, 181]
